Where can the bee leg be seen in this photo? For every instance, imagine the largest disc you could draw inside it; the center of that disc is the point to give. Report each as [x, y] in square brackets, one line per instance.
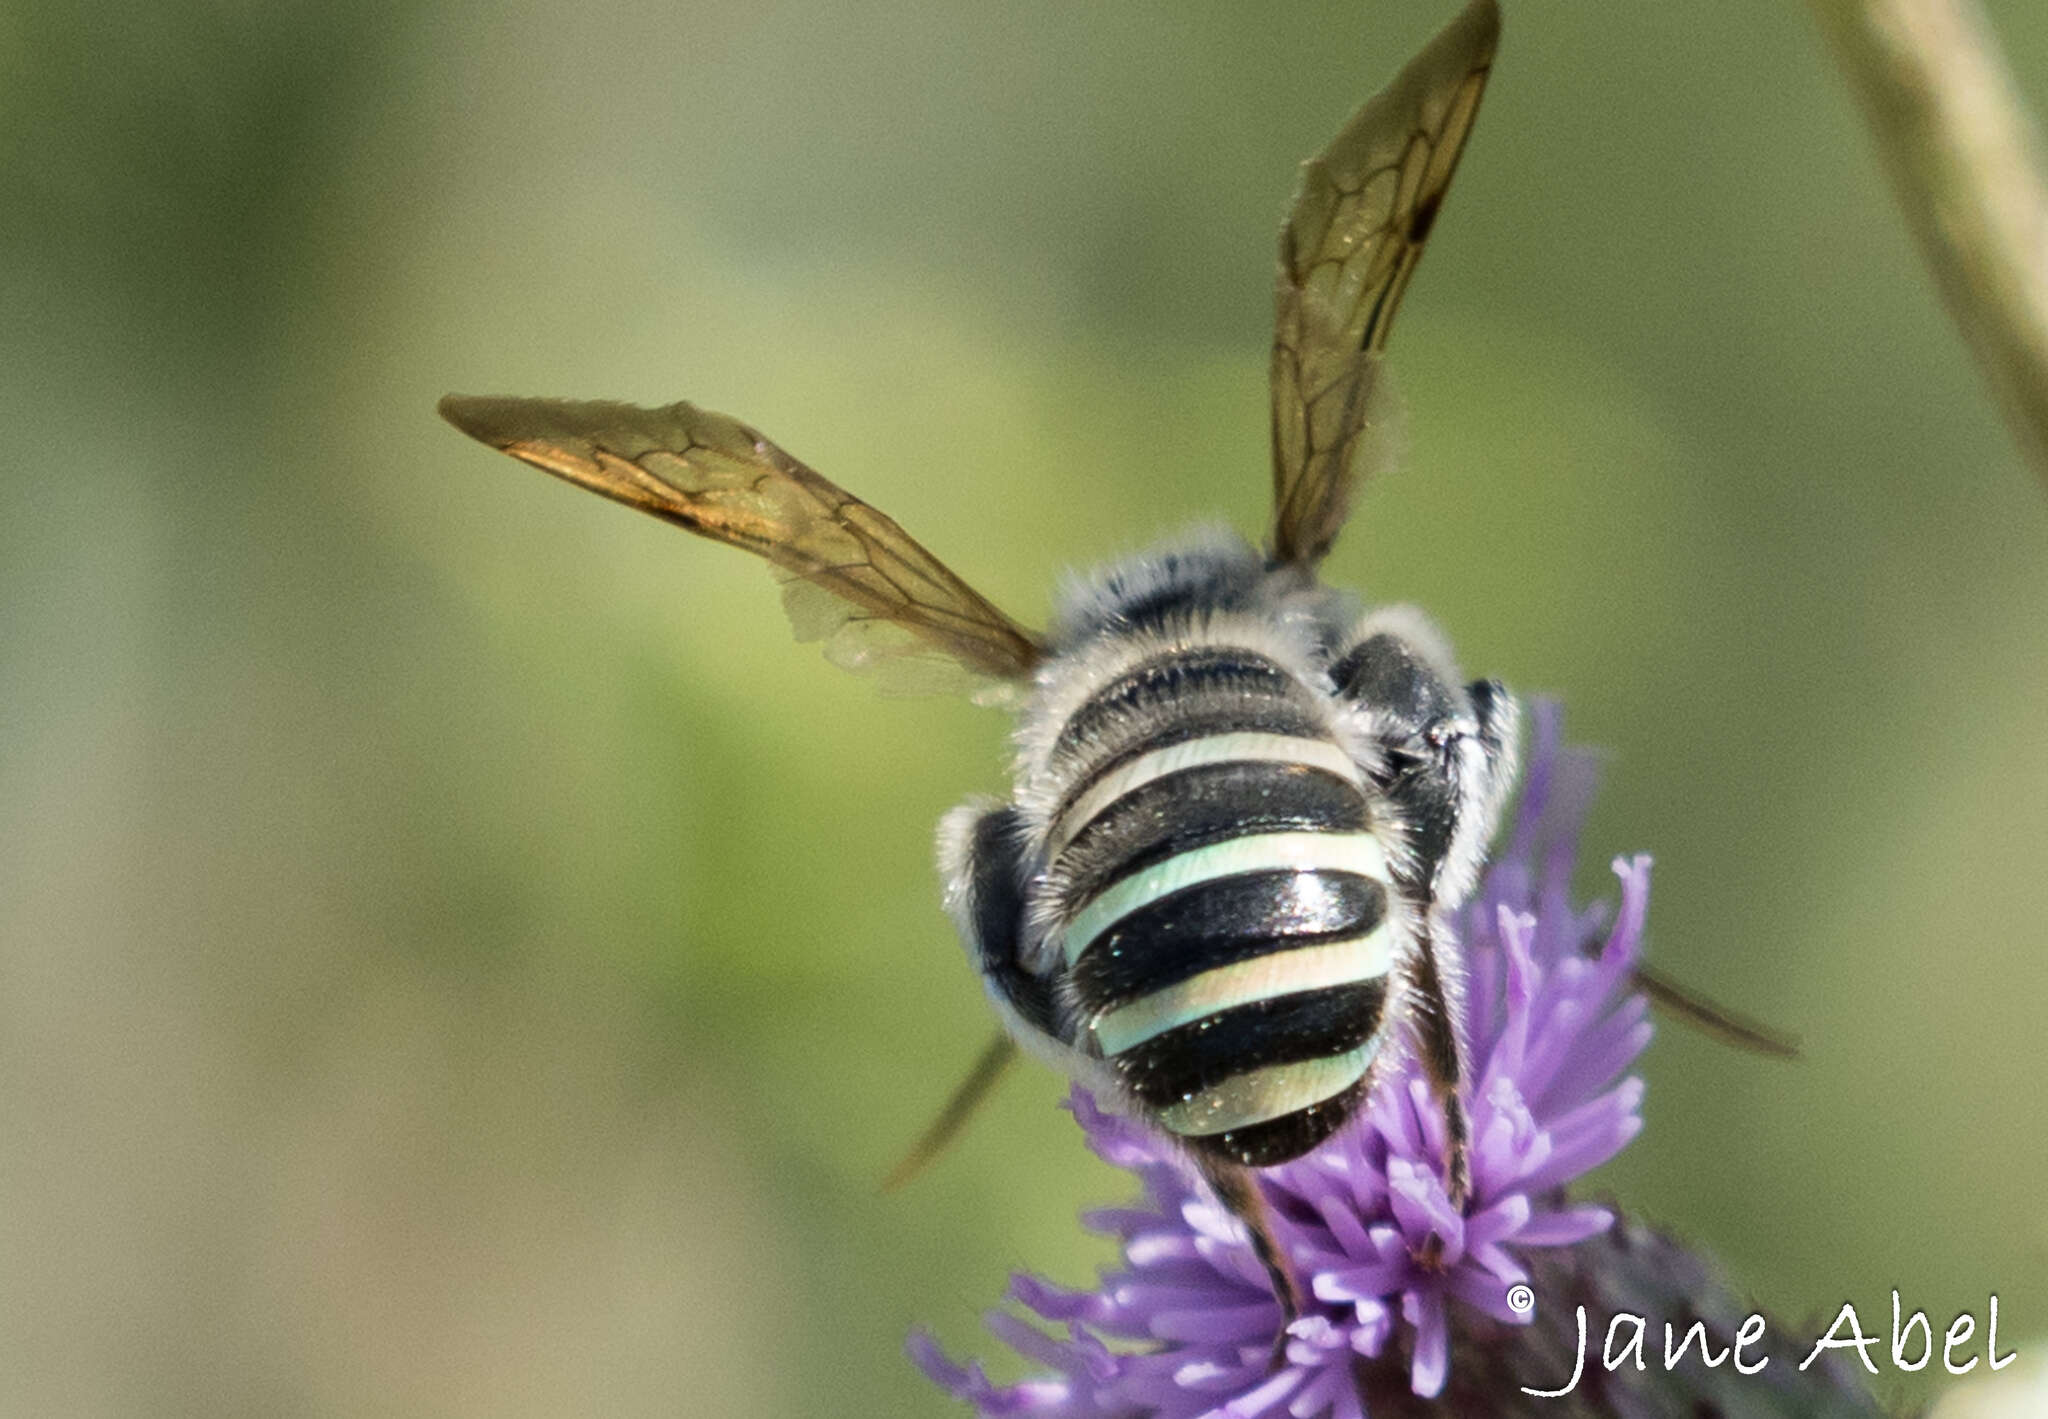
[1396, 663]
[1398, 668]
[1237, 1188]
[1448, 749]
[982, 859]
[1485, 763]
[1448, 762]
[1436, 1040]
[967, 1098]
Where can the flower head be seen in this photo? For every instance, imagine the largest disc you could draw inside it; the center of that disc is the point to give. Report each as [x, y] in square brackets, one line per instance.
[1185, 1327]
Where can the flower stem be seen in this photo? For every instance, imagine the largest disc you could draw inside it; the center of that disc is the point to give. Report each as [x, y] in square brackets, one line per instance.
[1963, 161]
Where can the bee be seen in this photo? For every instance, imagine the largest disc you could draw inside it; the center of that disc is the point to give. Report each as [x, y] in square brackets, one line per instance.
[1244, 810]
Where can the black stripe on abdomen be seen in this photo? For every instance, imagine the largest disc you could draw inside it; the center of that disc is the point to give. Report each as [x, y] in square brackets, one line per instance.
[1285, 1029]
[1218, 923]
[1264, 1145]
[1205, 804]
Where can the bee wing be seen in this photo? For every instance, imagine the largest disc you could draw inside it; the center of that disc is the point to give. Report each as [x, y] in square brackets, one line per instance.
[1361, 216]
[851, 577]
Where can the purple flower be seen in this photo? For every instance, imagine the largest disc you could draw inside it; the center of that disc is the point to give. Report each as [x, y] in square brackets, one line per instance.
[1184, 1328]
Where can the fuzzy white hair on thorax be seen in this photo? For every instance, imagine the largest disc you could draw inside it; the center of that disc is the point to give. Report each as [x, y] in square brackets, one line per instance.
[1210, 564]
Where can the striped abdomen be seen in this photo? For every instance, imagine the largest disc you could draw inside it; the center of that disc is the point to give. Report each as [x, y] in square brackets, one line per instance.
[1222, 900]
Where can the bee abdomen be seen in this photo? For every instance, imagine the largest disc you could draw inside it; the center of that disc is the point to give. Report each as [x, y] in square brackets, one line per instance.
[1227, 935]
[1219, 898]
[1240, 1066]
[1232, 921]
[1179, 809]
[1242, 985]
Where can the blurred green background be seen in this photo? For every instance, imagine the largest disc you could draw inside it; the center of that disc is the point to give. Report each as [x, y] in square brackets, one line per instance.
[458, 956]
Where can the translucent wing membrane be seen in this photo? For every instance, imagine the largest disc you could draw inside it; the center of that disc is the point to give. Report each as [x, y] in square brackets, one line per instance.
[852, 577]
[1361, 216]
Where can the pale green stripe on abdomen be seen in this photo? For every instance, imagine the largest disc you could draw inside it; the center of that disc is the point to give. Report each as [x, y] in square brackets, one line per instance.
[1195, 753]
[1261, 1095]
[1286, 971]
[1358, 853]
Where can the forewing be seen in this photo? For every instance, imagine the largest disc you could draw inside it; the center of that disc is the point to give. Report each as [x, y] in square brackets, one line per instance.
[1362, 213]
[853, 578]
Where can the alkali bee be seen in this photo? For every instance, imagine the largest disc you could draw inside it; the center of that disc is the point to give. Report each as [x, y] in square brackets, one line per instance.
[1244, 810]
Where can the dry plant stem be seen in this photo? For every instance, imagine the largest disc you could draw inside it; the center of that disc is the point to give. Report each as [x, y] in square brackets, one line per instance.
[1964, 161]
